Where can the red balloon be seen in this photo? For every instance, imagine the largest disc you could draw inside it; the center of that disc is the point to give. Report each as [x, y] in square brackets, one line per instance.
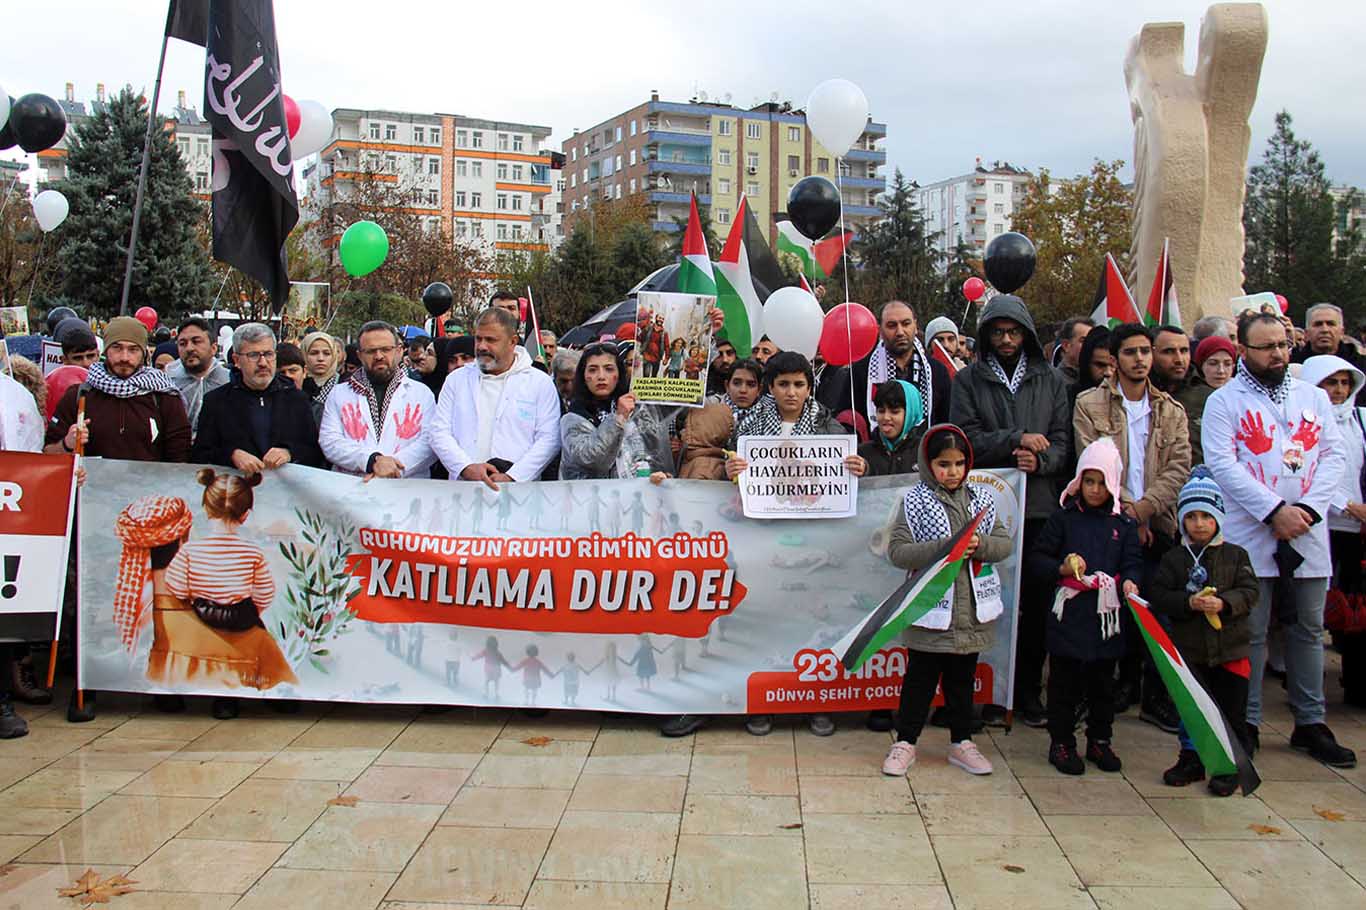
[848, 333]
[147, 316]
[974, 288]
[1285, 304]
[292, 116]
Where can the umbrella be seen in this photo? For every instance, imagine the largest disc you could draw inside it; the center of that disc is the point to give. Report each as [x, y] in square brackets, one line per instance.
[603, 322]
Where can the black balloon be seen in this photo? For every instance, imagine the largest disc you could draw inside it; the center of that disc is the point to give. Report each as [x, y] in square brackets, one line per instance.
[7, 137]
[437, 298]
[1009, 262]
[38, 122]
[814, 207]
[55, 317]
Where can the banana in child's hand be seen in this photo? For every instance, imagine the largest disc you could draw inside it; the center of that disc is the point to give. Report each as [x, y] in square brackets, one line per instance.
[1212, 618]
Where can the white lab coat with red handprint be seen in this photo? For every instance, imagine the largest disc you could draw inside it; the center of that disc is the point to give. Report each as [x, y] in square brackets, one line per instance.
[1263, 454]
[348, 437]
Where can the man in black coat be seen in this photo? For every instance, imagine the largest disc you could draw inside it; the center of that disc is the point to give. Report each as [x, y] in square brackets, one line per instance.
[258, 420]
[1013, 407]
[899, 355]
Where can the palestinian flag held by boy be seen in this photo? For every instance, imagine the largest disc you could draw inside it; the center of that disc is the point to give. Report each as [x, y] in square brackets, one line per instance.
[1114, 304]
[918, 595]
[1208, 728]
[694, 267]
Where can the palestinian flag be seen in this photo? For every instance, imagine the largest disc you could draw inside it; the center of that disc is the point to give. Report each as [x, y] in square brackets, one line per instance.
[938, 353]
[533, 331]
[694, 268]
[818, 257]
[917, 596]
[1114, 304]
[736, 294]
[1163, 308]
[1206, 725]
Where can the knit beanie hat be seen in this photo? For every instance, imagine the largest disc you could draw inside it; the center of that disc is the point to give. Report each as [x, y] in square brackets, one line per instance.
[938, 325]
[1212, 345]
[125, 328]
[1201, 494]
[166, 347]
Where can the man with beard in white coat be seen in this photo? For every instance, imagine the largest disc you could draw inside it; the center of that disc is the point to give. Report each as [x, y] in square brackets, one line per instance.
[379, 395]
[497, 419]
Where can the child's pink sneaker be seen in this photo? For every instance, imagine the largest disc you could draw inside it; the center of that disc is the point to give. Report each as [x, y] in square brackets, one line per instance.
[899, 759]
[967, 756]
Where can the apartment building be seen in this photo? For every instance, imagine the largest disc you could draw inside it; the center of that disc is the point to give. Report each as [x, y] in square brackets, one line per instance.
[974, 207]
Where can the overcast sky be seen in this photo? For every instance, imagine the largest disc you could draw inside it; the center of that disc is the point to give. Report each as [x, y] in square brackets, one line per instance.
[1039, 84]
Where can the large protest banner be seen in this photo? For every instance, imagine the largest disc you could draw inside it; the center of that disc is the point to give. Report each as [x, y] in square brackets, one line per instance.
[612, 594]
[35, 522]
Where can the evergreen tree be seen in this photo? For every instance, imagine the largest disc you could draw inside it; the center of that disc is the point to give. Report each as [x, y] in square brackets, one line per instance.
[635, 254]
[896, 254]
[962, 265]
[674, 250]
[1288, 221]
[171, 269]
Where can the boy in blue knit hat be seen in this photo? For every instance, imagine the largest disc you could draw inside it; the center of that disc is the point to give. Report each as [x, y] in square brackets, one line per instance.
[1206, 588]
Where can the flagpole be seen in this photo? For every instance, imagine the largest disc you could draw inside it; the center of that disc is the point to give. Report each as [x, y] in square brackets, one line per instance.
[848, 329]
[142, 176]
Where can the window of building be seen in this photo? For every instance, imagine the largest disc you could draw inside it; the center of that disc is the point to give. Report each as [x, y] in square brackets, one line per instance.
[201, 182]
[574, 206]
[872, 197]
[390, 164]
[844, 169]
[822, 165]
[618, 134]
[606, 191]
[502, 231]
[516, 202]
[420, 135]
[996, 228]
[462, 228]
[502, 142]
[476, 229]
[794, 134]
[723, 186]
[752, 159]
[723, 216]
[476, 200]
[573, 181]
[477, 139]
[633, 184]
[462, 138]
[516, 143]
[183, 143]
[460, 199]
[618, 190]
[461, 168]
[390, 132]
[607, 167]
[794, 162]
[476, 169]
[723, 157]
[723, 127]
[516, 232]
[633, 157]
[633, 127]
[574, 153]
[998, 188]
[201, 147]
[434, 165]
[754, 130]
[502, 170]
[502, 201]
[374, 130]
[752, 188]
[999, 208]
[435, 134]
[618, 162]
[432, 198]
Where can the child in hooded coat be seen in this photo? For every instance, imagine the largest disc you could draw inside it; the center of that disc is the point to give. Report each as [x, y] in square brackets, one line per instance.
[1090, 553]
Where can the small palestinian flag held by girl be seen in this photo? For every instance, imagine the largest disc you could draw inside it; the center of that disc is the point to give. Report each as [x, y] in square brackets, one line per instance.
[918, 595]
[1206, 725]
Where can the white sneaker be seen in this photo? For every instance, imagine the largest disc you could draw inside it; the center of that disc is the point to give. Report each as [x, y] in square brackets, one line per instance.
[899, 759]
[967, 756]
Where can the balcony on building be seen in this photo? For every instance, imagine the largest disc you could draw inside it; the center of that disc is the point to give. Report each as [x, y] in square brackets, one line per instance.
[862, 211]
[672, 158]
[863, 183]
[659, 197]
[876, 156]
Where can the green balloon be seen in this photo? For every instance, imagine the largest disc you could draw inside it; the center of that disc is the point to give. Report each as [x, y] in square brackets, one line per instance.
[364, 247]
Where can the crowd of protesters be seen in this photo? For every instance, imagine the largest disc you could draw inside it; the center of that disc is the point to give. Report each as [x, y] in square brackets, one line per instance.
[1218, 473]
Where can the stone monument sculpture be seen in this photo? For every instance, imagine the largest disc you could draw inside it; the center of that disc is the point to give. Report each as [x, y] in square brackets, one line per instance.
[1191, 139]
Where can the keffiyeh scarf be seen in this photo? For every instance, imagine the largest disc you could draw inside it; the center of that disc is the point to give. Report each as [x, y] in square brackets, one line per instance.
[764, 420]
[152, 521]
[1276, 393]
[326, 388]
[737, 412]
[1012, 381]
[360, 382]
[1107, 600]
[881, 367]
[928, 519]
[145, 381]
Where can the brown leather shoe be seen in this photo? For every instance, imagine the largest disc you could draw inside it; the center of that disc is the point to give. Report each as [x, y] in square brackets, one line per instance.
[19, 675]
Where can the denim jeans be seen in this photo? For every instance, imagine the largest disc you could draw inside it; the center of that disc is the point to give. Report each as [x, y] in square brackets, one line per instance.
[1303, 651]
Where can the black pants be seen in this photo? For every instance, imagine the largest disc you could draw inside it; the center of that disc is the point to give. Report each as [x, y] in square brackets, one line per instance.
[1035, 602]
[924, 670]
[1347, 555]
[1229, 691]
[1072, 682]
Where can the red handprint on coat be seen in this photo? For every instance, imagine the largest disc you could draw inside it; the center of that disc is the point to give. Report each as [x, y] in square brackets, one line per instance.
[1308, 432]
[410, 424]
[1253, 433]
[353, 422]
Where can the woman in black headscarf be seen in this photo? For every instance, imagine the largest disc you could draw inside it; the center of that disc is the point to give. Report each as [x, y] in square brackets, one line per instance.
[605, 434]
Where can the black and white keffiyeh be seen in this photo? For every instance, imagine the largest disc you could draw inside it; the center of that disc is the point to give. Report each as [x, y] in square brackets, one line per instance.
[764, 420]
[144, 382]
[736, 412]
[882, 367]
[1277, 393]
[326, 388]
[1012, 381]
[360, 382]
[928, 519]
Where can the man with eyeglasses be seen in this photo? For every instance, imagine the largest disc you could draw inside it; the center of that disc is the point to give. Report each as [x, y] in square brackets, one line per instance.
[1272, 443]
[259, 420]
[377, 422]
[1013, 407]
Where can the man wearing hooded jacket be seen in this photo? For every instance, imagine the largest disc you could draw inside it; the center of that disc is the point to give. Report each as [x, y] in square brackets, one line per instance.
[1013, 408]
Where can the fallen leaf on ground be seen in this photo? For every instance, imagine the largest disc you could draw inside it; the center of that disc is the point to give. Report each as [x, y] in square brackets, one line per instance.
[89, 889]
[1330, 815]
[347, 801]
[538, 741]
[792, 827]
[1264, 829]
[1015, 869]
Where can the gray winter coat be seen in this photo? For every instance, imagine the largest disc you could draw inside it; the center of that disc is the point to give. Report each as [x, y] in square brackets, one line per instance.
[994, 420]
[588, 452]
[965, 635]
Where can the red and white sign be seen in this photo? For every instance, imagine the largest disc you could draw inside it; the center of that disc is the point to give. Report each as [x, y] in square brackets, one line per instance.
[36, 502]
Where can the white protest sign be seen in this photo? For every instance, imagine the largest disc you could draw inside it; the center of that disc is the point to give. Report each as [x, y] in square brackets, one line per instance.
[798, 477]
[52, 356]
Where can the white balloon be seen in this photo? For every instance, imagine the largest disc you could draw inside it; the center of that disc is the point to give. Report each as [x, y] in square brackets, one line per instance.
[793, 320]
[315, 130]
[837, 112]
[50, 208]
[4, 107]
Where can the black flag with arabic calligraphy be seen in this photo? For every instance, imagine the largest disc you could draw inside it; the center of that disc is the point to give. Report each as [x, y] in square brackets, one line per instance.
[254, 204]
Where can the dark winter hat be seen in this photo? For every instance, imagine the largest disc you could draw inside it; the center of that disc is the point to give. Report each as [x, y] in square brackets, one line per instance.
[74, 334]
[166, 347]
[125, 328]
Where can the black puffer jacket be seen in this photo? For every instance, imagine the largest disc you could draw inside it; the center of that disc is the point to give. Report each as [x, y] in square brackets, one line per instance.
[225, 423]
[903, 458]
[994, 419]
[1234, 582]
